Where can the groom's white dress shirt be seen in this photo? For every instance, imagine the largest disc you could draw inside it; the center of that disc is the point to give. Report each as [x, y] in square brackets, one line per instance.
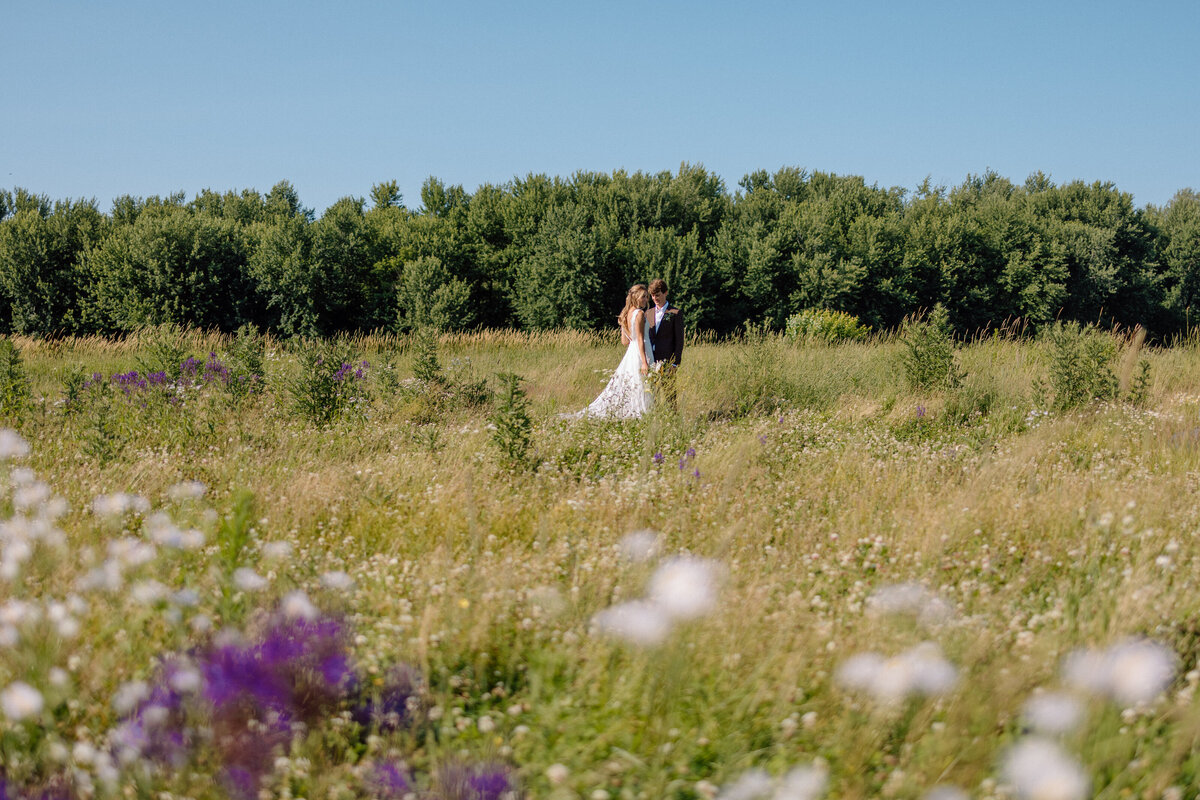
[659, 311]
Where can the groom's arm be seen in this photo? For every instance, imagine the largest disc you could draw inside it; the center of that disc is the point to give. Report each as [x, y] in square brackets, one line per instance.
[677, 324]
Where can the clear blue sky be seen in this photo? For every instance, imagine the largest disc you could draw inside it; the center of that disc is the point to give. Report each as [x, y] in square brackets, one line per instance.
[100, 99]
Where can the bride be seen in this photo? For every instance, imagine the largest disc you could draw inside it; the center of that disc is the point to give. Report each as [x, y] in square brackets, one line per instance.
[627, 394]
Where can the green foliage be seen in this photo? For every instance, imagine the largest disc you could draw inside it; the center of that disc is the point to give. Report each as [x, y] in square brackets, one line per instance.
[513, 427]
[1080, 365]
[543, 253]
[14, 383]
[245, 360]
[329, 383]
[823, 325]
[163, 349]
[1139, 389]
[427, 368]
[929, 360]
[428, 296]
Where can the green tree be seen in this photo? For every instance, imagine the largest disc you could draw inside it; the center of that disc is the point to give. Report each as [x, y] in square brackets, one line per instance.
[40, 264]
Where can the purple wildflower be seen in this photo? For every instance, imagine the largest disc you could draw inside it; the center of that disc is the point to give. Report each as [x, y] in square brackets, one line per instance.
[389, 782]
[392, 705]
[920, 412]
[691, 452]
[474, 782]
[658, 457]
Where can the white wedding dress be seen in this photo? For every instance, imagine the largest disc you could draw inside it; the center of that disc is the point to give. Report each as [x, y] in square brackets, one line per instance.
[627, 394]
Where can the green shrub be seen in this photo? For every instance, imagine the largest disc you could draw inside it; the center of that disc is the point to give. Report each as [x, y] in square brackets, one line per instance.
[14, 384]
[823, 325]
[1080, 365]
[329, 384]
[245, 361]
[929, 360]
[513, 427]
[164, 349]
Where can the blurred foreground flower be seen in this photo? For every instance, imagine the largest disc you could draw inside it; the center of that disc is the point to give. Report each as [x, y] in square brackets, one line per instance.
[807, 782]
[913, 599]
[1130, 672]
[921, 670]
[20, 701]
[1053, 713]
[1038, 769]
[683, 588]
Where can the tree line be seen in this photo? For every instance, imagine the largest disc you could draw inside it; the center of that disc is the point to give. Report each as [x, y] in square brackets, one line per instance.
[547, 252]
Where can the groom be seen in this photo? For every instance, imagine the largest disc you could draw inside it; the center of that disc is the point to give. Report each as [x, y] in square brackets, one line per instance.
[666, 336]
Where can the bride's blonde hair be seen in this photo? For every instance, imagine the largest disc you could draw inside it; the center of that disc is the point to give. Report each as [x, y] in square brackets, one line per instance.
[636, 298]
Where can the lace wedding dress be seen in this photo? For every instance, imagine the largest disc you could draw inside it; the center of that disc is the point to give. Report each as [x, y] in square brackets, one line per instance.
[627, 394]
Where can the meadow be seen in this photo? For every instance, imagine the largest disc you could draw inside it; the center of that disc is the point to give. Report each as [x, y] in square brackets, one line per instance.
[377, 567]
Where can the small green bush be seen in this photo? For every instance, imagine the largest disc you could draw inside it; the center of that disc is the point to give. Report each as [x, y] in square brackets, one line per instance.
[14, 384]
[823, 325]
[330, 382]
[512, 426]
[929, 360]
[1080, 365]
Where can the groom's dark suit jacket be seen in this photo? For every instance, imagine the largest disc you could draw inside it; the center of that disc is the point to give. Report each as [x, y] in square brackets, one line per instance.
[667, 339]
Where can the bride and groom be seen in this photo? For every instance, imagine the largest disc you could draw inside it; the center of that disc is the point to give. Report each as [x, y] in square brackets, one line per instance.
[652, 332]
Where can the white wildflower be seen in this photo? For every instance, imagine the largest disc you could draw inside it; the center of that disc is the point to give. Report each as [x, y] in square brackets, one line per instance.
[148, 592]
[83, 753]
[20, 701]
[187, 490]
[132, 552]
[919, 670]
[277, 550]
[34, 494]
[910, 598]
[750, 785]
[640, 545]
[637, 622]
[296, 605]
[1130, 672]
[12, 444]
[247, 580]
[118, 504]
[186, 598]
[128, 695]
[59, 678]
[67, 628]
[9, 636]
[186, 680]
[803, 783]
[557, 774]
[1053, 713]
[18, 612]
[945, 792]
[684, 588]
[337, 580]
[1038, 769]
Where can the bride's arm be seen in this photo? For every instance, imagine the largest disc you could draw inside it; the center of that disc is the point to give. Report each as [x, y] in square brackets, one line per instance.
[639, 318]
[624, 335]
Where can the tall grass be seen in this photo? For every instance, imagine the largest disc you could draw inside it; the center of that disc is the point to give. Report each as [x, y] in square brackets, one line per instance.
[809, 477]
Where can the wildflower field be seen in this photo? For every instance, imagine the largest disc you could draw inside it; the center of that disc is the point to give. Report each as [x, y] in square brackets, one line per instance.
[232, 566]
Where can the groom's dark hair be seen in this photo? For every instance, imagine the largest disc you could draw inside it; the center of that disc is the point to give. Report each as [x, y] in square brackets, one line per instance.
[658, 285]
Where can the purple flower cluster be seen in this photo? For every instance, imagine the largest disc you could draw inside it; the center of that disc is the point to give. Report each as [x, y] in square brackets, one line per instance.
[351, 372]
[246, 697]
[249, 694]
[474, 782]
